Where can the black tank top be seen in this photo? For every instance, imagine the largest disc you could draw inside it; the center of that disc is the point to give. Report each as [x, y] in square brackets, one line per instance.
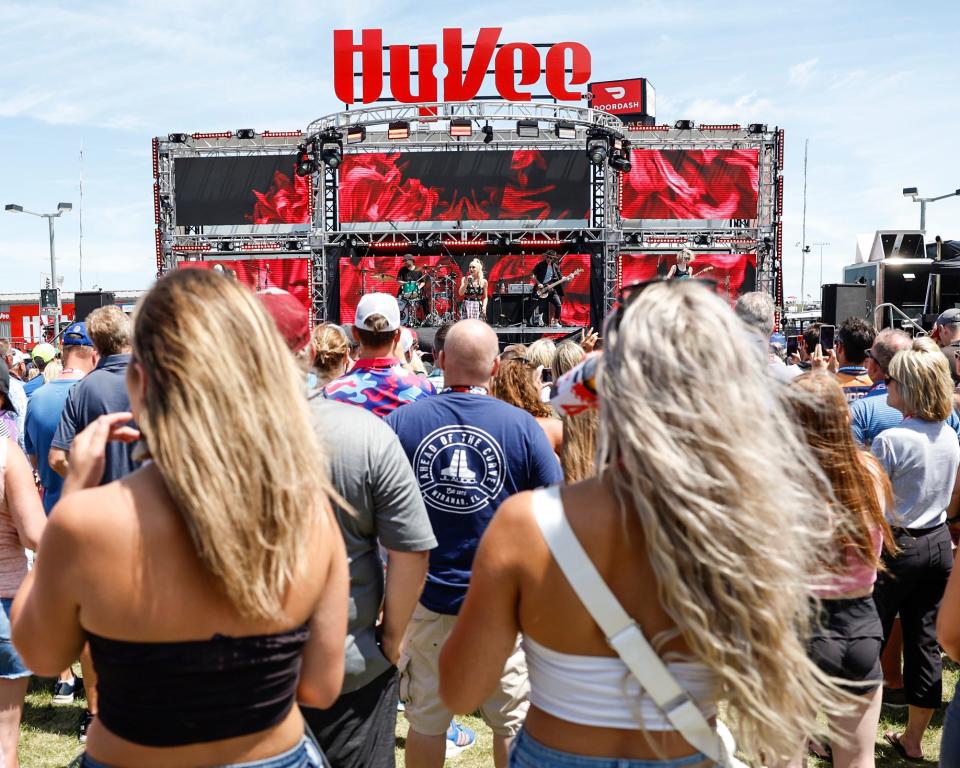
[199, 690]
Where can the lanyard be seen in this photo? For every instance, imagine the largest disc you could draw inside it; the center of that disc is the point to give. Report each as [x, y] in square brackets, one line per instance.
[463, 388]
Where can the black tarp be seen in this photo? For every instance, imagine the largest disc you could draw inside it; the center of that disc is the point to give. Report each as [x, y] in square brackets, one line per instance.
[949, 256]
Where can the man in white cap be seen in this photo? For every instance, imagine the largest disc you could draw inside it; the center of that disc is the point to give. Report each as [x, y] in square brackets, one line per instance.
[378, 381]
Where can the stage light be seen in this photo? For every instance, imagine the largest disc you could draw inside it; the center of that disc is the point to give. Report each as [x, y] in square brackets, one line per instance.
[356, 134]
[565, 130]
[757, 128]
[398, 129]
[702, 240]
[597, 150]
[177, 138]
[528, 129]
[909, 191]
[331, 156]
[224, 246]
[461, 126]
[293, 245]
[306, 165]
[621, 164]
[684, 125]
[246, 133]
[487, 132]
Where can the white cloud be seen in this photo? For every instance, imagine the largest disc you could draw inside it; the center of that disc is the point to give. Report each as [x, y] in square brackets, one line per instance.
[802, 73]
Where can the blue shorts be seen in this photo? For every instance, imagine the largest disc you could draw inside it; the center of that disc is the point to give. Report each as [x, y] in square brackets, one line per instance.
[11, 665]
[525, 752]
[304, 755]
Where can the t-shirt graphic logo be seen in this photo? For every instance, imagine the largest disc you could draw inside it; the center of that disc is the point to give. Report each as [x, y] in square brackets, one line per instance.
[460, 469]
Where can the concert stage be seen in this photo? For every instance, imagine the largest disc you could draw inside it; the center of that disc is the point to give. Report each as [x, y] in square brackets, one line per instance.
[508, 336]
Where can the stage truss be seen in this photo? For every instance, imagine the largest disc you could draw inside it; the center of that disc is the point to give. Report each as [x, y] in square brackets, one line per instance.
[324, 240]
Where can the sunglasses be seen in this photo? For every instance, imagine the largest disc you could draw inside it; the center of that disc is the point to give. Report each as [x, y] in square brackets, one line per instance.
[888, 379]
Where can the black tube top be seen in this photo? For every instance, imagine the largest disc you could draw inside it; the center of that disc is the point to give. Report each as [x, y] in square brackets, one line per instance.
[197, 691]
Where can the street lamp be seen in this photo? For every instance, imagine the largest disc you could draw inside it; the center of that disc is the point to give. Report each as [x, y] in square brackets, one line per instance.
[912, 193]
[61, 207]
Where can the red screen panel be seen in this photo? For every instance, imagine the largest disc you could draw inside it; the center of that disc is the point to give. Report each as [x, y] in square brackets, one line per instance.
[522, 184]
[691, 184]
[364, 276]
[734, 273]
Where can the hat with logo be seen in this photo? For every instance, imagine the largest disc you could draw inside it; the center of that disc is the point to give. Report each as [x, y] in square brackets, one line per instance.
[289, 315]
[45, 352]
[949, 316]
[76, 336]
[377, 304]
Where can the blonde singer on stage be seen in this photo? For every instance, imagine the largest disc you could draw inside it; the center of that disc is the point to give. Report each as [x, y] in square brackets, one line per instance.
[473, 292]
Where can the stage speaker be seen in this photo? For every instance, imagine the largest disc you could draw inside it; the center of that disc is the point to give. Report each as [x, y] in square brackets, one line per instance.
[86, 301]
[838, 301]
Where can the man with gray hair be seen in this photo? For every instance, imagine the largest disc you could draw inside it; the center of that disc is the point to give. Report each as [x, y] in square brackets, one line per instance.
[872, 414]
[756, 310]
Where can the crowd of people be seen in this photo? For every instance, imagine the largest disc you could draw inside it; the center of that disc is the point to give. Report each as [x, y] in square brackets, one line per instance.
[291, 535]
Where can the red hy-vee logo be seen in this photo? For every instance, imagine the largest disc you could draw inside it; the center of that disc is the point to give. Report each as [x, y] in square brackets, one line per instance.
[516, 67]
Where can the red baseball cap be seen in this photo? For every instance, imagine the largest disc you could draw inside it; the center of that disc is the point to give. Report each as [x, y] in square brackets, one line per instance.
[290, 316]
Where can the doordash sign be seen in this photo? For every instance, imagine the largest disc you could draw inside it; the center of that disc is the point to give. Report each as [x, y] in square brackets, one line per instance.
[516, 68]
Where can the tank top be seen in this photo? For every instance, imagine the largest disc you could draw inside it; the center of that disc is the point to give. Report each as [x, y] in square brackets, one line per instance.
[13, 560]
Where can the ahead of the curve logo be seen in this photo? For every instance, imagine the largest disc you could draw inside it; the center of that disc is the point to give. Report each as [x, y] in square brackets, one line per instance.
[460, 469]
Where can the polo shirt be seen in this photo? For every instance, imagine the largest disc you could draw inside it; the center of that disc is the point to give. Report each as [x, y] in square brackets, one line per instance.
[102, 391]
[872, 414]
[43, 418]
[379, 384]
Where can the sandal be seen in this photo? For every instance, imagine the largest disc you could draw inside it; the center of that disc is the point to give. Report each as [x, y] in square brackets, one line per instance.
[894, 741]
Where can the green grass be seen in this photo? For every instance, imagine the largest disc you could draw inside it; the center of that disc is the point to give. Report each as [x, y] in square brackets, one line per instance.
[48, 734]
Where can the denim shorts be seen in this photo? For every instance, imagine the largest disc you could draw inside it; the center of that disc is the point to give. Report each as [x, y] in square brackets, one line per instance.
[11, 665]
[525, 752]
[304, 755]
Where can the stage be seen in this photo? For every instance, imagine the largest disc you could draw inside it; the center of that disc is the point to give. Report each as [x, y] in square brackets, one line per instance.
[509, 335]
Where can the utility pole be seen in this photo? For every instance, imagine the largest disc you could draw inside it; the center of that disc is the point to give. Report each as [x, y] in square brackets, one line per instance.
[821, 245]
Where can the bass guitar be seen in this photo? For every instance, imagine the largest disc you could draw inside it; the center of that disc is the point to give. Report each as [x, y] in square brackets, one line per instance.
[544, 290]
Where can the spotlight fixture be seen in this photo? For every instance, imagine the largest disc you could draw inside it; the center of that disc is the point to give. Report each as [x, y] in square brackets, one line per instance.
[620, 163]
[246, 133]
[683, 125]
[565, 130]
[528, 129]
[702, 240]
[177, 138]
[356, 134]
[398, 129]
[293, 245]
[331, 155]
[757, 128]
[224, 246]
[910, 192]
[598, 145]
[306, 164]
[487, 132]
[461, 126]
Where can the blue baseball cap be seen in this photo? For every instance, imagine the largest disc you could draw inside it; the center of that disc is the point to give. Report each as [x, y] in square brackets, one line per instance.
[76, 336]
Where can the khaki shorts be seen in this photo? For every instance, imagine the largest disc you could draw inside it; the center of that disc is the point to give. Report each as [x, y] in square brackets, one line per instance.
[504, 710]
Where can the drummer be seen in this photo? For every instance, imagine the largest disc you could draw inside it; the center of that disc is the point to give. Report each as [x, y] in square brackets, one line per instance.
[412, 284]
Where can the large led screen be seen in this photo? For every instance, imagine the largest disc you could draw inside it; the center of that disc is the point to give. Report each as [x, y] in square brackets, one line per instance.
[732, 273]
[464, 186]
[691, 184]
[263, 189]
[505, 276]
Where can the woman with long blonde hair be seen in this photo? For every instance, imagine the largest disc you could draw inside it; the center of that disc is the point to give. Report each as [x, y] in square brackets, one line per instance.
[707, 522]
[473, 292]
[847, 640]
[215, 571]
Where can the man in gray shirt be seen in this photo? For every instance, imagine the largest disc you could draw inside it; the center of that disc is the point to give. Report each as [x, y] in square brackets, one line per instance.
[369, 469]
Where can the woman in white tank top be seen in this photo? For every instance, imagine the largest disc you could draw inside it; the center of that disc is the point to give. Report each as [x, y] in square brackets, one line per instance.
[705, 524]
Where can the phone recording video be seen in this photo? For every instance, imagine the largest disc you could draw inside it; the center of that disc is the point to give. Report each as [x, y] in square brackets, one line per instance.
[826, 337]
[793, 345]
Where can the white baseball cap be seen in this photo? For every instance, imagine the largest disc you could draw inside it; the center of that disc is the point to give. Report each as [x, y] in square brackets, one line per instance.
[377, 304]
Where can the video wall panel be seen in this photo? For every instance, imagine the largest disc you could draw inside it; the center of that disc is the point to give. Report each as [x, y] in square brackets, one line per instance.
[505, 275]
[691, 184]
[229, 190]
[521, 184]
[733, 273]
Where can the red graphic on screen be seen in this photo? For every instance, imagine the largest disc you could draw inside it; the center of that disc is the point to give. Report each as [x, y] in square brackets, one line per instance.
[733, 273]
[691, 184]
[287, 201]
[395, 186]
[363, 276]
[291, 275]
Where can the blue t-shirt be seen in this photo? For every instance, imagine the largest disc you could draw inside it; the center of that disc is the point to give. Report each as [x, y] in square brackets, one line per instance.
[33, 385]
[469, 452]
[43, 418]
[872, 414]
[102, 391]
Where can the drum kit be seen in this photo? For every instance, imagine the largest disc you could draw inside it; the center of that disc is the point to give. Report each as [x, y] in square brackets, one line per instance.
[429, 301]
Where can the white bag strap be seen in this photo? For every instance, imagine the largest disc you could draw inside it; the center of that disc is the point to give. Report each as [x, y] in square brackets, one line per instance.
[622, 632]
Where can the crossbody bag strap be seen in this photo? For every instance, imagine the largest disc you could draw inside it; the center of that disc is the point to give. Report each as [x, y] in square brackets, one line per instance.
[621, 631]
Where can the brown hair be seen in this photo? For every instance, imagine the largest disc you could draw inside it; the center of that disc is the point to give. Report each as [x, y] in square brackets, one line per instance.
[329, 346]
[109, 330]
[860, 485]
[514, 384]
[222, 437]
[377, 336]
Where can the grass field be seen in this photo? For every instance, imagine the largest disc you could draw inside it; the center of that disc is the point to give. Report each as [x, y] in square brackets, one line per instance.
[48, 735]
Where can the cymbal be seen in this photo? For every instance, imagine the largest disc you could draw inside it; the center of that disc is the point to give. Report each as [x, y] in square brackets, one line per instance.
[383, 276]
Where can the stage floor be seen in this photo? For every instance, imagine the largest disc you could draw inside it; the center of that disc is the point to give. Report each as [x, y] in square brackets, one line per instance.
[516, 334]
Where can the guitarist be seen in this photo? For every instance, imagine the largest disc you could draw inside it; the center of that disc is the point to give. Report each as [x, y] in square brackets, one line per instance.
[545, 272]
[682, 269]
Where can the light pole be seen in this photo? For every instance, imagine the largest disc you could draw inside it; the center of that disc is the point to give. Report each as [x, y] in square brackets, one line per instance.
[821, 261]
[912, 193]
[61, 207]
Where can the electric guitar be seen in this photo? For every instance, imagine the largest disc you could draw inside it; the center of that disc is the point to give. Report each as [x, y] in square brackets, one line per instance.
[544, 290]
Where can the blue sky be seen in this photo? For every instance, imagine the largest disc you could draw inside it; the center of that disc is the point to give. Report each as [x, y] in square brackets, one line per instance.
[873, 85]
